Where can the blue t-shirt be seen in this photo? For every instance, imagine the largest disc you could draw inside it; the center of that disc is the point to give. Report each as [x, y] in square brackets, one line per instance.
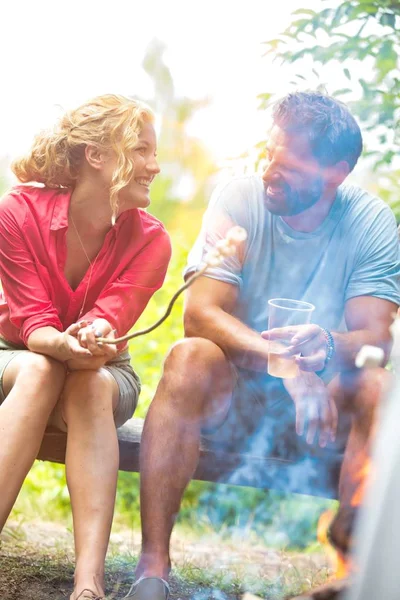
[354, 252]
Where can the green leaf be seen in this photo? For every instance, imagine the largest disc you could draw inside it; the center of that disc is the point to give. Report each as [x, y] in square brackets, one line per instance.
[365, 40]
[264, 100]
[388, 157]
[388, 19]
[300, 24]
[343, 35]
[304, 11]
[339, 14]
[386, 59]
[342, 91]
[327, 12]
[273, 43]
[297, 55]
[264, 96]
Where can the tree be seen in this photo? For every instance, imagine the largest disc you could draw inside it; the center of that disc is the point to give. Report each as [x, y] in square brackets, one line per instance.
[187, 163]
[362, 38]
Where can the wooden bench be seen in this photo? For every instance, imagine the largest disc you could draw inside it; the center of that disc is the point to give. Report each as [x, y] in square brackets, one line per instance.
[316, 474]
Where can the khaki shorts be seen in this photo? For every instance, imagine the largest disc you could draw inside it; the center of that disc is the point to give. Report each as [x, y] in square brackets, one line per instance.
[120, 368]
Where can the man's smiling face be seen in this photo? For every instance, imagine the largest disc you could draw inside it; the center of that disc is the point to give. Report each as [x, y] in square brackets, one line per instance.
[293, 178]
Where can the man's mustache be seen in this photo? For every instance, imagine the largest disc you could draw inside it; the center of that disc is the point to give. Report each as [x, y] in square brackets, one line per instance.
[280, 183]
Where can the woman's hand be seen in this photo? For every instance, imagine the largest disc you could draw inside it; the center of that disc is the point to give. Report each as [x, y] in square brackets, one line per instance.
[100, 353]
[68, 346]
[88, 334]
[316, 410]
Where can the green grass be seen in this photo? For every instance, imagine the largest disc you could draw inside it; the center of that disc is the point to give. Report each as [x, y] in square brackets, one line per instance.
[206, 569]
[50, 576]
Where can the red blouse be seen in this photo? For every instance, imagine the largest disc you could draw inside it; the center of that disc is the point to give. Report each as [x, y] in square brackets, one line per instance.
[130, 267]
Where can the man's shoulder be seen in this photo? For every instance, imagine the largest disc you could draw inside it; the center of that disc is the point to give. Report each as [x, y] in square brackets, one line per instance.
[361, 206]
[241, 198]
[367, 221]
[242, 184]
[355, 197]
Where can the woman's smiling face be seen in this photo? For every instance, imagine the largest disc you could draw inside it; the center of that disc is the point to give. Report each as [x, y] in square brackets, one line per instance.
[136, 193]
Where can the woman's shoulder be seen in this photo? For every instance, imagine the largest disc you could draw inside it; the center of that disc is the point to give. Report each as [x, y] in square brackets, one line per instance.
[150, 225]
[28, 199]
[29, 193]
[14, 200]
[141, 232]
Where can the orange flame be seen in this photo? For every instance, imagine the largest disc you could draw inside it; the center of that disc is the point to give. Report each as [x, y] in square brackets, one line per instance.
[340, 564]
[363, 478]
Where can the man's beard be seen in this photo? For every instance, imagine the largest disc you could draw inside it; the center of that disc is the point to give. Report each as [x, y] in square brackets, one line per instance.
[294, 201]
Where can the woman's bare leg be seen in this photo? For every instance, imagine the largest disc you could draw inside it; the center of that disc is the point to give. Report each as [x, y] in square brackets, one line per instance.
[92, 460]
[32, 383]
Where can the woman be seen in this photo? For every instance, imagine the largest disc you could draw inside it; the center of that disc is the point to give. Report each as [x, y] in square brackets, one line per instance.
[79, 259]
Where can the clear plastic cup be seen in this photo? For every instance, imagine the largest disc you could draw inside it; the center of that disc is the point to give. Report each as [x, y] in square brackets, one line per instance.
[284, 312]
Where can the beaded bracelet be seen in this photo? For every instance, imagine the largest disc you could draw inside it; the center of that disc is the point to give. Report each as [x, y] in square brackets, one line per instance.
[330, 345]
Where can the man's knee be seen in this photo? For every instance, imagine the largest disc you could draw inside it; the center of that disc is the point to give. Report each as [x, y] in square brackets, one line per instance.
[364, 390]
[195, 361]
[197, 369]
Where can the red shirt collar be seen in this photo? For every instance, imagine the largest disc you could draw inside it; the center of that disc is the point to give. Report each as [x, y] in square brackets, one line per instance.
[59, 219]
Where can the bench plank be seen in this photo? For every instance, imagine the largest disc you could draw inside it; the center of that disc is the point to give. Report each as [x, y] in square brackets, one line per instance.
[313, 475]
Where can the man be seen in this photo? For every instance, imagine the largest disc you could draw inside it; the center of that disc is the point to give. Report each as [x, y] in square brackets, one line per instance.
[309, 238]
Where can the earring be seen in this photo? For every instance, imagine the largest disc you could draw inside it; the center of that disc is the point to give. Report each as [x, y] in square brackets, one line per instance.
[113, 220]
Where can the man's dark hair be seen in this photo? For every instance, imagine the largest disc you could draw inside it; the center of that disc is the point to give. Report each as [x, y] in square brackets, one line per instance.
[332, 130]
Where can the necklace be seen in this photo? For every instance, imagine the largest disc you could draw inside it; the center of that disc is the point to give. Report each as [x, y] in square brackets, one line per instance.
[91, 265]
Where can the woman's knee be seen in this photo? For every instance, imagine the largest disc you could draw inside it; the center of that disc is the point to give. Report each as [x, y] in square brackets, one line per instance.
[37, 373]
[92, 392]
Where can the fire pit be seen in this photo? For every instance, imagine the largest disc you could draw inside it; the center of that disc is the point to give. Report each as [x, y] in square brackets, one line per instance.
[331, 591]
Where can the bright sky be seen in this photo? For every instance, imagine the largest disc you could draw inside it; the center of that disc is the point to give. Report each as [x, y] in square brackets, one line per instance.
[62, 52]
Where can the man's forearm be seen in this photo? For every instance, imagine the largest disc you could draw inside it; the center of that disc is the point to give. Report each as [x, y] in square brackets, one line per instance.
[243, 347]
[347, 346]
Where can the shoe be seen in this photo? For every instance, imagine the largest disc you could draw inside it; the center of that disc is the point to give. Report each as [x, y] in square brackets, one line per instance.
[149, 588]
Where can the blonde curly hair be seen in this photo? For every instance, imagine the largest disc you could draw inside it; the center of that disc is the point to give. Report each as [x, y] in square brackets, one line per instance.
[109, 122]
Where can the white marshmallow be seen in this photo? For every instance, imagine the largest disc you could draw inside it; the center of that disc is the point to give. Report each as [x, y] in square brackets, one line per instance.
[370, 356]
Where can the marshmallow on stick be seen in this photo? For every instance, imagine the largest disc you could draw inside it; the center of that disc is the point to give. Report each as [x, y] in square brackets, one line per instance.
[369, 357]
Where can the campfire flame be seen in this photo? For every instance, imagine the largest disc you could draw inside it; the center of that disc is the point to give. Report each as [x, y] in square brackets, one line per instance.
[363, 478]
[339, 562]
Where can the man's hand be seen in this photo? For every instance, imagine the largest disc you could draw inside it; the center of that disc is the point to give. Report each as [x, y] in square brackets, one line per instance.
[316, 411]
[306, 342]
